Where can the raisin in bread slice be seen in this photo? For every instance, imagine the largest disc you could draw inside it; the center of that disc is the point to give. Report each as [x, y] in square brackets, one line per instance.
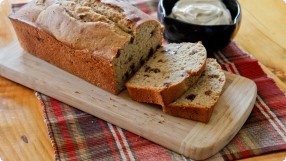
[198, 102]
[168, 73]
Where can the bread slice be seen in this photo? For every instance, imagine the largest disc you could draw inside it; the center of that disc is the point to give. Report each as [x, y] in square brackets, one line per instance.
[168, 73]
[198, 102]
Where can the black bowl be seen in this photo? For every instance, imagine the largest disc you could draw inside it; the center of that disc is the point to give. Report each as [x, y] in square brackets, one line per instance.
[213, 37]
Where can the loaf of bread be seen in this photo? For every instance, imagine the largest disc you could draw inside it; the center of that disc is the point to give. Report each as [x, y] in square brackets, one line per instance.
[102, 41]
[199, 100]
[168, 73]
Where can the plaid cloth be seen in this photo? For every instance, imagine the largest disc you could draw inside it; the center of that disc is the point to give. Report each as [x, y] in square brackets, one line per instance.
[76, 135]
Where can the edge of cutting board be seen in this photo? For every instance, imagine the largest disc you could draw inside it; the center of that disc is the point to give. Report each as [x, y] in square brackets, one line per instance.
[190, 138]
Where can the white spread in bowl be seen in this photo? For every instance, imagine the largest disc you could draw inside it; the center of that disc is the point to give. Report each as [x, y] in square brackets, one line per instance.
[202, 12]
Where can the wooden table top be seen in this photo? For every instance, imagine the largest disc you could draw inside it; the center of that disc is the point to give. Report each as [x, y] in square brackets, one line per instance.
[24, 136]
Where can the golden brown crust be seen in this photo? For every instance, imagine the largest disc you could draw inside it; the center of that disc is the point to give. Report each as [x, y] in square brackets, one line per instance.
[135, 17]
[28, 14]
[160, 97]
[82, 35]
[145, 95]
[81, 63]
[102, 38]
[192, 113]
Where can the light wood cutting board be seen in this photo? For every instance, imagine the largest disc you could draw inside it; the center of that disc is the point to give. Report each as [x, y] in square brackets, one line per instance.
[190, 138]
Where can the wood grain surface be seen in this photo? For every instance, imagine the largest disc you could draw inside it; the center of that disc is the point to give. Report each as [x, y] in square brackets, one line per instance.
[23, 134]
[263, 34]
[193, 139]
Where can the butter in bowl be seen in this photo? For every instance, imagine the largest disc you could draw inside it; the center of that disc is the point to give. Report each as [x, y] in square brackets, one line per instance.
[213, 22]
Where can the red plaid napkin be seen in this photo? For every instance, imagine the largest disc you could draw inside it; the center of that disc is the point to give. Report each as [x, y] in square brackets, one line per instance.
[76, 135]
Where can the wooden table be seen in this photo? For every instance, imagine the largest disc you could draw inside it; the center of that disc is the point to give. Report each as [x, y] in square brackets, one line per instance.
[23, 134]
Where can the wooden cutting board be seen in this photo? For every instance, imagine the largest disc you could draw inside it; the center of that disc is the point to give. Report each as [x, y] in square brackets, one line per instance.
[190, 138]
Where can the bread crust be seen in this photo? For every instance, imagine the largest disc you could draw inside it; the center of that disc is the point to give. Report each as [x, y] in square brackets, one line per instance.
[81, 35]
[81, 63]
[196, 113]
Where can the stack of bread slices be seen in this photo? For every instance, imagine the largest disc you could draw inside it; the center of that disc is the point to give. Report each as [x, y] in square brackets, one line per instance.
[181, 79]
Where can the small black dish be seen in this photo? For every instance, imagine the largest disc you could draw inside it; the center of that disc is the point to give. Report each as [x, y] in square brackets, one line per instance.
[213, 37]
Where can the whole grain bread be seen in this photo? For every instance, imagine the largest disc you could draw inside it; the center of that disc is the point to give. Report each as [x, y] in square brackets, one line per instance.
[101, 41]
[168, 73]
[199, 100]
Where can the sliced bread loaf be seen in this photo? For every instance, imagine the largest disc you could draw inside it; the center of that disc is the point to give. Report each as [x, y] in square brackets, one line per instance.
[198, 102]
[168, 73]
[103, 42]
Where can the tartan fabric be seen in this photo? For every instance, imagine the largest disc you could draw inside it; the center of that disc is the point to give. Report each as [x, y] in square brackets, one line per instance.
[76, 135]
